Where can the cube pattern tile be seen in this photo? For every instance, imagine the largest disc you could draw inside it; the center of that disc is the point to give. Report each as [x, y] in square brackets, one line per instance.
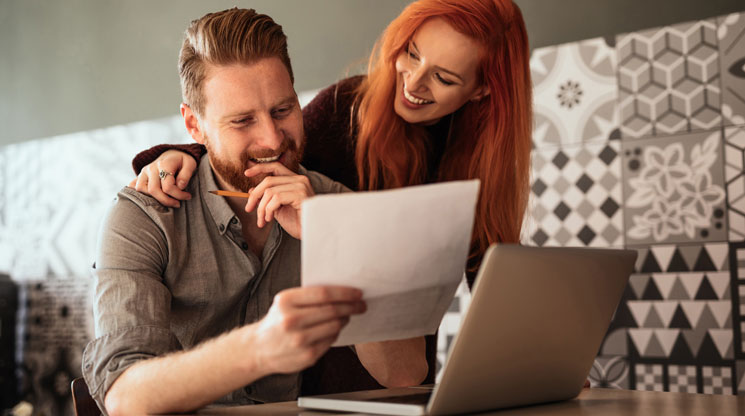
[669, 80]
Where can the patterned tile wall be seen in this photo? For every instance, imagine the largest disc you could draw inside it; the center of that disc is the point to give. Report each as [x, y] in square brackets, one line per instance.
[639, 142]
[53, 194]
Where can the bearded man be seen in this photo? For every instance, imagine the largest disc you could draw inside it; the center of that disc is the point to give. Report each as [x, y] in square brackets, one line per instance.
[201, 304]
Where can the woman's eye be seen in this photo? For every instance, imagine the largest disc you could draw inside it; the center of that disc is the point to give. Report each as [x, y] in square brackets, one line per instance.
[443, 80]
[411, 54]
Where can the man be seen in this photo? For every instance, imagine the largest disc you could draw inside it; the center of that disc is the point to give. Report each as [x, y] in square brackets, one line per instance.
[201, 304]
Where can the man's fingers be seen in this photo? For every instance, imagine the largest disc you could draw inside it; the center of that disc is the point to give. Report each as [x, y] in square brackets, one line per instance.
[186, 172]
[325, 331]
[274, 168]
[133, 183]
[300, 183]
[317, 295]
[276, 197]
[170, 188]
[318, 315]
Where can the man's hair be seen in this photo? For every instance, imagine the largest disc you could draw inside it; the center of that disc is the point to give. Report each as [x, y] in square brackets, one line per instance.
[233, 36]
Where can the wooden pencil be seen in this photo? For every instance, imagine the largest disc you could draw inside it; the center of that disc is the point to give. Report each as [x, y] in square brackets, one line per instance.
[230, 193]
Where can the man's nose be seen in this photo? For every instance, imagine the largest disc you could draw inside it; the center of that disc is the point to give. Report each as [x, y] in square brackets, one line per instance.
[269, 134]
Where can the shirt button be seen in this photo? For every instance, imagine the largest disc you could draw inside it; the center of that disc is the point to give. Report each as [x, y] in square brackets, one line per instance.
[222, 227]
[234, 220]
[244, 245]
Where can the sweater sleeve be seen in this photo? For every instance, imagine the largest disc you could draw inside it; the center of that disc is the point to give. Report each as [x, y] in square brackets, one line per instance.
[148, 156]
[330, 144]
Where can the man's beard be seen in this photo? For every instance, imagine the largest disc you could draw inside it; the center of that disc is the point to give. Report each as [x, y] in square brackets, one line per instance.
[232, 172]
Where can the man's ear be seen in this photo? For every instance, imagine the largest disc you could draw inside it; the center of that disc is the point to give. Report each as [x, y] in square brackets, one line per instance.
[192, 123]
[480, 93]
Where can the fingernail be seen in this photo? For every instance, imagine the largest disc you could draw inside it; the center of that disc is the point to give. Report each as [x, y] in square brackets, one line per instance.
[182, 184]
[188, 197]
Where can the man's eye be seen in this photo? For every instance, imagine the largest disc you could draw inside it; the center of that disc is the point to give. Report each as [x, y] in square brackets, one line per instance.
[282, 112]
[243, 120]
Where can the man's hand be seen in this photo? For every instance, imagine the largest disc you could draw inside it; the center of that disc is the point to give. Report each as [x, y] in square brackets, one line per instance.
[301, 325]
[279, 196]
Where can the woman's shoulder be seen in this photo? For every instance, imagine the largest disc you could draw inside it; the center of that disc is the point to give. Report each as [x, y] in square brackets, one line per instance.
[339, 95]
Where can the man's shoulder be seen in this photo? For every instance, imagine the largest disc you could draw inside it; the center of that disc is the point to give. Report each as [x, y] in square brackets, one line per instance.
[321, 183]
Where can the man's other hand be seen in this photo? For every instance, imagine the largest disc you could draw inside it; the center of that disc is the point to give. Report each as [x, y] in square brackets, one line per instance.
[301, 325]
[279, 196]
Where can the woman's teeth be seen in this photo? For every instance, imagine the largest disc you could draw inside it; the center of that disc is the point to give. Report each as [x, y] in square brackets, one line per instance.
[266, 159]
[415, 100]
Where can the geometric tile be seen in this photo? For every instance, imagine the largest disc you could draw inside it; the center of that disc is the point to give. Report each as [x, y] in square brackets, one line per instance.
[610, 372]
[674, 189]
[575, 197]
[649, 377]
[682, 378]
[731, 34]
[669, 80]
[708, 257]
[574, 92]
[716, 380]
[734, 173]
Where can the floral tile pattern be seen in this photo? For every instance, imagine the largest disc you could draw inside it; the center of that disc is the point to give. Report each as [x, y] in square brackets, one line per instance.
[669, 80]
[731, 34]
[575, 93]
[576, 197]
[674, 189]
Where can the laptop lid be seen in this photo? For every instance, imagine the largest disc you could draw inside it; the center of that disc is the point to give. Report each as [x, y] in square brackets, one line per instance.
[534, 326]
[530, 335]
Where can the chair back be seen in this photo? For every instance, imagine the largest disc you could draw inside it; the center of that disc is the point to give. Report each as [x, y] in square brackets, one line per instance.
[82, 401]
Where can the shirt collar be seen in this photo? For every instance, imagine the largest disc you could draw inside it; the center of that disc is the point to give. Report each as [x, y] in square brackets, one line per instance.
[217, 206]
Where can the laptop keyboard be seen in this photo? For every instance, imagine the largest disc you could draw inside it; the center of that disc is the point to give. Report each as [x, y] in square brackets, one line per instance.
[419, 398]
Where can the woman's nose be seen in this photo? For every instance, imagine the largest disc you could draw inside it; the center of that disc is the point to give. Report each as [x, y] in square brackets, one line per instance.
[415, 81]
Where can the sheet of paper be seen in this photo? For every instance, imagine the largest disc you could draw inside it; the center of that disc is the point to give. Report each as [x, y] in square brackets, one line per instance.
[405, 248]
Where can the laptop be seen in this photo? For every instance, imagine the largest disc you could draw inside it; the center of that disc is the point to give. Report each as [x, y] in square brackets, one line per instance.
[530, 335]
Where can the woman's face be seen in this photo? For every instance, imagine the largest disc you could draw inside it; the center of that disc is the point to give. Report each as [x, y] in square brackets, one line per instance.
[436, 73]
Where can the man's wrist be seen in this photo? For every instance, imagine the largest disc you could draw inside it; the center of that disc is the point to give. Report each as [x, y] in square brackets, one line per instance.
[248, 351]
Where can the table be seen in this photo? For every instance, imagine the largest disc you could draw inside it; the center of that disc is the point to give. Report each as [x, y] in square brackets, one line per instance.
[592, 401]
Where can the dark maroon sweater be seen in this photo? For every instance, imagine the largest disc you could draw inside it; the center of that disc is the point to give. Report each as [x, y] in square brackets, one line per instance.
[330, 148]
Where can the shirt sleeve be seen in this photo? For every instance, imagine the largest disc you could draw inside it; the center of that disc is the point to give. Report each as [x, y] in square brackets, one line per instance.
[131, 304]
[148, 156]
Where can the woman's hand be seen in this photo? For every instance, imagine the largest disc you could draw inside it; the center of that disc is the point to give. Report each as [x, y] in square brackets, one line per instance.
[169, 190]
[278, 197]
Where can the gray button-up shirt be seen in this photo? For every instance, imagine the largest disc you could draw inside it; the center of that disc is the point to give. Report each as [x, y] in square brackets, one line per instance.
[168, 279]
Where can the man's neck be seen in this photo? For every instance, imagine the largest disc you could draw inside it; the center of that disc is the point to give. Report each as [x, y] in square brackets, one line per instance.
[255, 237]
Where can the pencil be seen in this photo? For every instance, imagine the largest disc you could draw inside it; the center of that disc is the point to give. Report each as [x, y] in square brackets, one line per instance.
[230, 193]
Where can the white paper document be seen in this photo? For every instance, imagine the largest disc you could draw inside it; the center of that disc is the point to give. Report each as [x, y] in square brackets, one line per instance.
[406, 249]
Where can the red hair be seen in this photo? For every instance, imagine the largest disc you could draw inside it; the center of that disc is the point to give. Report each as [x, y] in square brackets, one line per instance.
[490, 139]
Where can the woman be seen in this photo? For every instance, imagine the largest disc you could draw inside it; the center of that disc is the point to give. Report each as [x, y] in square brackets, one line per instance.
[447, 97]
